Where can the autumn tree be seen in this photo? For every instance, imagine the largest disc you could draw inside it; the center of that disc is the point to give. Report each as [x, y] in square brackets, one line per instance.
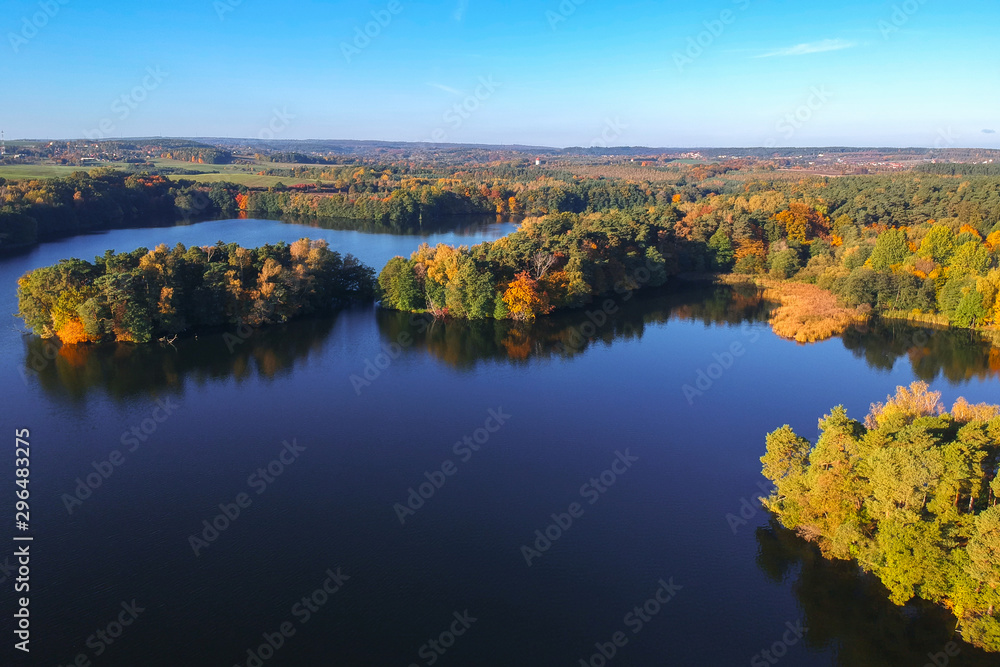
[524, 300]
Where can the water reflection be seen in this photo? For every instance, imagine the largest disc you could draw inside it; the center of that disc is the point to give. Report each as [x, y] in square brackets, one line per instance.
[459, 225]
[122, 371]
[849, 610]
[463, 344]
[957, 355]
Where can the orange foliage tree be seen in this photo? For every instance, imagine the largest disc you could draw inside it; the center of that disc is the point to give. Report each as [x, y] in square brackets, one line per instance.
[802, 222]
[72, 332]
[524, 300]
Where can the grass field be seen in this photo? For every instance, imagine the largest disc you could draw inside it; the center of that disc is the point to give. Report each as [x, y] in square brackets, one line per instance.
[210, 173]
[19, 171]
[249, 180]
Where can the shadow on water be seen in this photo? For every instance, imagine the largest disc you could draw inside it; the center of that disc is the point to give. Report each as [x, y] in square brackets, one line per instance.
[463, 344]
[122, 371]
[850, 611]
[459, 225]
[957, 355]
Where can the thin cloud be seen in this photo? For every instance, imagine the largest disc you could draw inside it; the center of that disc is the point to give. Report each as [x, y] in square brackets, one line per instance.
[810, 47]
[460, 9]
[989, 131]
[447, 89]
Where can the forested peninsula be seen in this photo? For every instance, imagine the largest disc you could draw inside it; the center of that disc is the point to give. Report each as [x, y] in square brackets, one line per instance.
[910, 494]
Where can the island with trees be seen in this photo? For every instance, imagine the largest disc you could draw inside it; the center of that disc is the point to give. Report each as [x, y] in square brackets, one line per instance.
[145, 295]
[911, 495]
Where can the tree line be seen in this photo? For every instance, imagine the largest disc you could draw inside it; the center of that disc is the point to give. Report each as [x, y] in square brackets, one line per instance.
[143, 295]
[916, 246]
[910, 494]
[553, 262]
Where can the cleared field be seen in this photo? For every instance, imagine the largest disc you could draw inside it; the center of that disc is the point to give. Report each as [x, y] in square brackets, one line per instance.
[249, 180]
[20, 171]
[192, 166]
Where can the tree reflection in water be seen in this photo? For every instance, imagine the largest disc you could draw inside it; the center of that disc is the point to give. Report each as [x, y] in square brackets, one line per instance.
[850, 610]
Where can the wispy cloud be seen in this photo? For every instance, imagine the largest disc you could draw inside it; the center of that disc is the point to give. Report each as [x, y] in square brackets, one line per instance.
[447, 89]
[460, 9]
[810, 47]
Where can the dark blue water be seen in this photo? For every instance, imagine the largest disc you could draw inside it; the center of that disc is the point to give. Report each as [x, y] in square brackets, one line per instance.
[501, 428]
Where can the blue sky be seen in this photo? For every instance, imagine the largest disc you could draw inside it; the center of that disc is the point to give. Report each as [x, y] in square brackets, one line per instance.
[716, 73]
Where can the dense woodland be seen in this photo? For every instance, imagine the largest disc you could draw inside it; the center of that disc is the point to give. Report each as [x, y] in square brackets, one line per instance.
[147, 294]
[910, 494]
[559, 261]
[912, 245]
[921, 244]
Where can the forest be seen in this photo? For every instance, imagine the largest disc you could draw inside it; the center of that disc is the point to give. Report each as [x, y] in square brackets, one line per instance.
[910, 494]
[400, 198]
[558, 261]
[144, 295]
[918, 247]
[921, 245]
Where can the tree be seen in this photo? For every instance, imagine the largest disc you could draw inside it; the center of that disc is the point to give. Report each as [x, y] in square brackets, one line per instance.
[721, 248]
[938, 244]
[887, 494]
[970, 310]
[890, 249]
[138, 296]
[970, 258]
[523, 300]
[784, 263]
[398, 282]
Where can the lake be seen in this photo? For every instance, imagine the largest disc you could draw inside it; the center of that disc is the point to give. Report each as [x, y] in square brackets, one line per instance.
[376, 489]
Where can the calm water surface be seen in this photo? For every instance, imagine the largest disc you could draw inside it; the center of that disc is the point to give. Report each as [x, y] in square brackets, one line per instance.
[377, 404]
